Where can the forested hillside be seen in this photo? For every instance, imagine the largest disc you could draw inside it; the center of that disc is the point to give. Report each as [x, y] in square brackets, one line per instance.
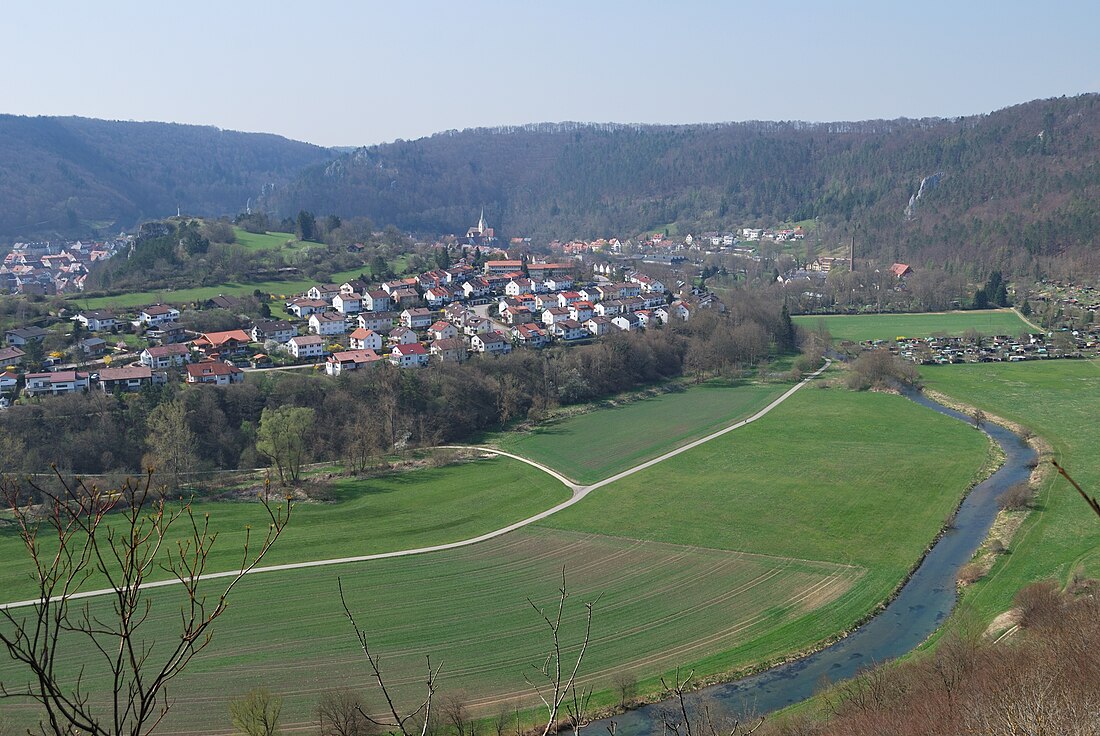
[77, 176]
[1008, 188]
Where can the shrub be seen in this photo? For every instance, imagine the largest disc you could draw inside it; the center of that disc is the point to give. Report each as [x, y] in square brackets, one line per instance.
[1017, 498]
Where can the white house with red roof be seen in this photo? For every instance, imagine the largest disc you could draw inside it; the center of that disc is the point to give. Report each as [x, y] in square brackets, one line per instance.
[214, 372]
[409, 356]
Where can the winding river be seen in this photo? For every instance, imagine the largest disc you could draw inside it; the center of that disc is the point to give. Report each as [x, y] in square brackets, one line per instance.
[920, 607]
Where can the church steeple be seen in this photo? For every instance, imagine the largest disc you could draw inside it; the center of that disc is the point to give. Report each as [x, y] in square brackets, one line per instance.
[481, 222]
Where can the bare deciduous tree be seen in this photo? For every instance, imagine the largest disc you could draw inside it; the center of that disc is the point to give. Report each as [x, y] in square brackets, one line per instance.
[338, 714]
[82, 536]
[407, 724]
[558, 685]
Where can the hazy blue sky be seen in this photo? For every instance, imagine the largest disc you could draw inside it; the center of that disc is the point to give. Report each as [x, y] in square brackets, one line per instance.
[350, 73]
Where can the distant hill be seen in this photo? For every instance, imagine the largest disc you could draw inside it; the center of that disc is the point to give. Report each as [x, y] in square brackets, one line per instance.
[1008, 188]
[74, 176]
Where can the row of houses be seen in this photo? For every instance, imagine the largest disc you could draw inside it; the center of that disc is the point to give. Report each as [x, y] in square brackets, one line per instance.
[53, 267]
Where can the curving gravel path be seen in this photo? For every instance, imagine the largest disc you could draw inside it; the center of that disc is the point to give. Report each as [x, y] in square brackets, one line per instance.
[579, 492]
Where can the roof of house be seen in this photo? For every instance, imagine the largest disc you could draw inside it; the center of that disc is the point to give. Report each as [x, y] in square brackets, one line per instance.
[125, 373]
[9, 353]
[211, 368]
[158, 309]
[493, 337]
[303, 340]
[27, 332]
[410, 349]
[354, 356]
[449, 343]
[163, 351]
[59, 376]
[326, 317]
[221, 338]
[441, 325]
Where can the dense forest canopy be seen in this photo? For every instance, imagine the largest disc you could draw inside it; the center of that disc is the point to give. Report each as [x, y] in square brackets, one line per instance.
[78, 177]
[1008, 189]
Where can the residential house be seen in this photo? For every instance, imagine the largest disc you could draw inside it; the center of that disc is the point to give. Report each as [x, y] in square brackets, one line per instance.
[97, 321]
[645, 318]
[221, 301]
[680, 310]
[438, 297]
[406, 356]
[326, 323]
[546, 271]
[598, 325]
[279, 331]
[304, 306]
[627, 321]
[58, 382]
[399, 285]
[9, 383]
[126, 378]
[476, 288]
[580, 311]
[377, 321]
[224, 344]
[350, 360]
[456, 314]
[361, 339]
[165, 356]
[476, 326]
[449, 349]
[648, 284]
[416, 318]
[377, 300]
[519, 285]
[93, 347]
[566, 298]
[323, 292]
[442, 330]
[609, 308]
[355, 286]
[402, 336]
[406, 297]
[347, 303]
[306, 347]
[554, 315]
[530, 335]
[167, 333]
[157, 315]
[517, 315]
[24, 335]
[569, 329]
[11, 356]
[491, 342]
[260, 360]
[214, 372]
[500, 268]
[557, 283]
[632, 303]
[901, 270]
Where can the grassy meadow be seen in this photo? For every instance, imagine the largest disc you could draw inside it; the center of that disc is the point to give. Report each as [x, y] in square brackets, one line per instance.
[1059, 400]
[280, 289]
[755, 545]
[399, 511]
[856, 327]
[266, 241]
[860, 479]
[595, 445]
[658, 605]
